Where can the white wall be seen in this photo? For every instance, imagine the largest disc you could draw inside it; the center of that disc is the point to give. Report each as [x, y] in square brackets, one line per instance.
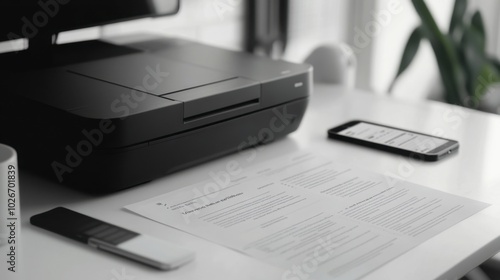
[378, 31]
[313, 23]
[422, 79]
[316, 22]
[221, 23]
[215, 22]
[490, 10]
[388, 43]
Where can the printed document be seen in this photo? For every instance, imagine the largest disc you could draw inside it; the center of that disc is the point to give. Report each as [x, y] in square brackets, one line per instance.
[313, 217]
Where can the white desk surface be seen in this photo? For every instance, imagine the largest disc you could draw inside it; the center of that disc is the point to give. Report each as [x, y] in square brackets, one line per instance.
[473, 172]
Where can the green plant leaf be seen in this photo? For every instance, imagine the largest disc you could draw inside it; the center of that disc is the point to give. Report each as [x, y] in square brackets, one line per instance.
[457, 19]
[475, 40]
[487, 76]
[477, 24]
[409, 53]
[474, 57]
[482, 71]
[446, 56]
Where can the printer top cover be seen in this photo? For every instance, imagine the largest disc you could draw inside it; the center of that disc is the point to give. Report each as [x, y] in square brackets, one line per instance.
[149, 109]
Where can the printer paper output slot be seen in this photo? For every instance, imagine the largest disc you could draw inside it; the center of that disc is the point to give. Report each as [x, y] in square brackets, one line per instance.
[246, 104]
[217, 97]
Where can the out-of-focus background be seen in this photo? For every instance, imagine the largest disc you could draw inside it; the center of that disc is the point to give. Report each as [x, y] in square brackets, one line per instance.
[359, 43]
[376, 30]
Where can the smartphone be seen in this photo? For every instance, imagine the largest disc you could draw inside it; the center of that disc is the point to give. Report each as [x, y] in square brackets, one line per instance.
[396, 140]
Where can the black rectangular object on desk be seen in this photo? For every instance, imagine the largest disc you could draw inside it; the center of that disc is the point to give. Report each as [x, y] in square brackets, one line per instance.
[80, 227]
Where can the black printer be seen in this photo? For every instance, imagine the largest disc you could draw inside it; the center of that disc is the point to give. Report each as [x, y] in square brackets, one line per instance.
[104, 117]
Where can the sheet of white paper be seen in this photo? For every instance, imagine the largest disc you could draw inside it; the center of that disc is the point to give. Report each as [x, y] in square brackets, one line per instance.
[311, 216]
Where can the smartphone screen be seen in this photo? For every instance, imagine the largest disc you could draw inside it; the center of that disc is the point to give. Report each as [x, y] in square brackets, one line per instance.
[410, 141]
